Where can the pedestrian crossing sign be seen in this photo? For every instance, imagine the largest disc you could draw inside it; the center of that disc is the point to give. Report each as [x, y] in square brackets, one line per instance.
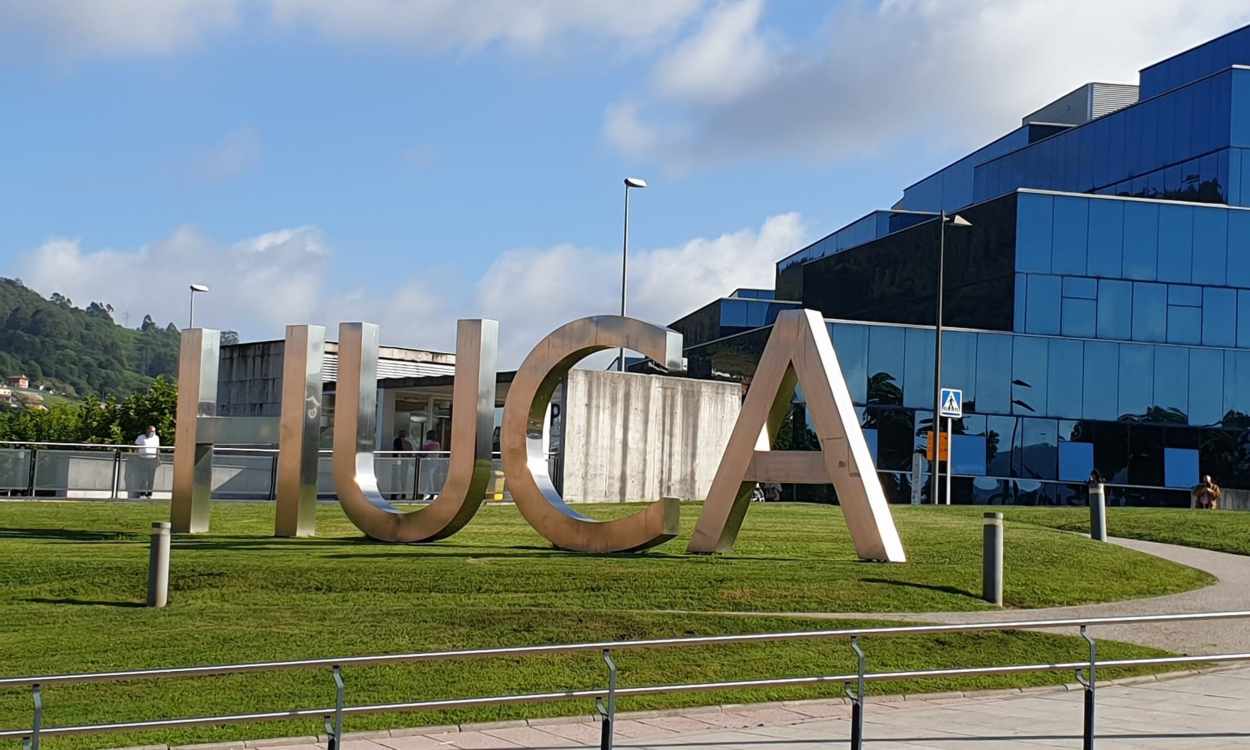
[952, 403]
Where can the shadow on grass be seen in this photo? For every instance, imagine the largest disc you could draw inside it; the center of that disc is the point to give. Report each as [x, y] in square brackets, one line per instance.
[925, 586]
[68, 535]
[85, 602]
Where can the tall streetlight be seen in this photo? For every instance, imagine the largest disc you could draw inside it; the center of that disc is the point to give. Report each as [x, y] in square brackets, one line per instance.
[956, 221]
[630, 182]
[200, 288]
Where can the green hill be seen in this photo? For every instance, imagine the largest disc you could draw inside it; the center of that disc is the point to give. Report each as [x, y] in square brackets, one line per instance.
[80, 351]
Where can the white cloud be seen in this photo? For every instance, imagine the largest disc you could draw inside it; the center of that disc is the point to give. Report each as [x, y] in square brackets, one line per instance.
[726, 56]
[257, 285]
[235, 154]
[86, 28]
[455, 24]
[260, 284]
[877, 75]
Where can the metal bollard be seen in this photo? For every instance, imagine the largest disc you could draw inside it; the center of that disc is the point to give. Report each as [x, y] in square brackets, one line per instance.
[992, 559]
[158, 565]
[1097, 512]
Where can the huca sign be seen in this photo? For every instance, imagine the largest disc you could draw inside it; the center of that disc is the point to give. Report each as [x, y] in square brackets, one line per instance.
[798, 351]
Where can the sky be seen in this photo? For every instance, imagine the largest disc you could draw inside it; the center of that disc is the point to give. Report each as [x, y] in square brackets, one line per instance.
[411, 163]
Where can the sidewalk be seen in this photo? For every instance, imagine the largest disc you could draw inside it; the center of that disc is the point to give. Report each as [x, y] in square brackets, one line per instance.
[1204, 712]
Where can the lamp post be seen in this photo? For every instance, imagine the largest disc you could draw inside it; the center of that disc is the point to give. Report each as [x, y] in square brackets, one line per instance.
[200, 288]
[630, 182]
[956, 221]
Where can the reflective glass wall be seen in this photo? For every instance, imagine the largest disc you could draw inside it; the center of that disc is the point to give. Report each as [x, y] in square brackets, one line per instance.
[1232, 48]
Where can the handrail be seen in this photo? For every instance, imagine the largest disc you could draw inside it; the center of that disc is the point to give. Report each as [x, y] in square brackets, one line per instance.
[562, 648]
[607, 696]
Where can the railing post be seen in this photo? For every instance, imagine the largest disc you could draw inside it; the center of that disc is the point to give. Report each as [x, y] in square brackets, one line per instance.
[30, 475]
[273, 478]
[117, 473]
[992, 558]
[32, 742]
[334, 725]
[1097, 511]
[1089, 684]
[857, 698]
[607, 708]
[158, 565]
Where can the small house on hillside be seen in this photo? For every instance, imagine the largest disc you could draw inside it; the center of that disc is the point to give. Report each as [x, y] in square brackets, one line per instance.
[19, 381]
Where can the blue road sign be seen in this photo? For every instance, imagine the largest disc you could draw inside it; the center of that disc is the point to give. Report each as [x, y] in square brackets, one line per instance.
[952, 403]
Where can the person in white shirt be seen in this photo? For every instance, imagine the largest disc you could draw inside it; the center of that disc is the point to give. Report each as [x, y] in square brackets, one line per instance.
[148, 458]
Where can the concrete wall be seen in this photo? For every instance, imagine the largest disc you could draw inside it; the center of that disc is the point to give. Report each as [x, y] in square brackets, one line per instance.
[643, 437]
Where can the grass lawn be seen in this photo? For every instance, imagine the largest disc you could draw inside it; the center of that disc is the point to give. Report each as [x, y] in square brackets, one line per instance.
[72, 575]
[1222, 531]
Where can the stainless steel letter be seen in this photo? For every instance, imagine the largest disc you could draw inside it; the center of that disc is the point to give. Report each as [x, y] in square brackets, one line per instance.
[299, 431]
[799, 351]
[524, 425]
[193, 460]
[473, 422]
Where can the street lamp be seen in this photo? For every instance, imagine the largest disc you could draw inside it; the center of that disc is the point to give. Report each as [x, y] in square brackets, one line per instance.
[630, 182]
[195, 288]
[956, 221]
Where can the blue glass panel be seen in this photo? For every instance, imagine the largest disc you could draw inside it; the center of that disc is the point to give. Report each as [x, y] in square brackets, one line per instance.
[1042, 313]
[1184, 325]
[1076, 461]
[1079, 317]
[1185, 295]
[1115, 309]
[993, 373]
[1219, 317]
[1239, 248]
[1206, 386]
[1136, 379]
[885, 365]
[959, 364]
[1071, 235]
[1176, 242]
[870, 437]
[1078, 287]
[1180, 467]
[1172, 380]
[1141, 240]
[1039, 445]
[850, 344]
[1101, 376]
[757, 311]
[1001, 436]
[1033, 228]
[1149, 311]
[1063, 394]
[1019, 301]
[1210, 246]
[733, 312]
[1028, 373]
[1243, 319]
[1106, 238]
[968, 455]
[918, 381]
[1236, 387]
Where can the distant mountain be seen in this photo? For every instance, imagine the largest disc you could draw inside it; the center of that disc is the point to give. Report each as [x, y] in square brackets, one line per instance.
[80, 351]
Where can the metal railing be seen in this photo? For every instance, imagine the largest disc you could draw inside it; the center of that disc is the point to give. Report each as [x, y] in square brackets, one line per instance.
[111, 472]
[605, 697]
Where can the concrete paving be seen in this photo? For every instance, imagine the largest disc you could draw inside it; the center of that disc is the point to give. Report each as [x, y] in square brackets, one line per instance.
[1207, 711]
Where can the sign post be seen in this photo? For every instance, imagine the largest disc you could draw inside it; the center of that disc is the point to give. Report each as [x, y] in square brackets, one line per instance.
[952, 409]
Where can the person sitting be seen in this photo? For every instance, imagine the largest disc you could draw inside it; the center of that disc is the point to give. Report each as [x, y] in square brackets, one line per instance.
[1206, 495]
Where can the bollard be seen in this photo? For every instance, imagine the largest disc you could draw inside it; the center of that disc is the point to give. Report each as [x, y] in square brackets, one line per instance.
[992, 559]
[158, 566]
[1097, 512]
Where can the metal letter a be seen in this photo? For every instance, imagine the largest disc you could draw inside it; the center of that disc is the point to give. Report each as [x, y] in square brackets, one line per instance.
[799, 351]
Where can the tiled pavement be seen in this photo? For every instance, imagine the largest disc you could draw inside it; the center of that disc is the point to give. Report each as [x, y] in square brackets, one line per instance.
[1202, 711]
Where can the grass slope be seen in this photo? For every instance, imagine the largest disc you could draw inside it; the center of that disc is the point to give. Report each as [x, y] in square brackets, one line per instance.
[1222, 531]
[71, 575]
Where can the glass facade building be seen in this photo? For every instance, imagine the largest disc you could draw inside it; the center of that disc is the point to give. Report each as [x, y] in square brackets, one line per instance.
[1097, 310]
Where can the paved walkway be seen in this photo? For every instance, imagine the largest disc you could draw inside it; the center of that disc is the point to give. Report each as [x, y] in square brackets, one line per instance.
[1202, 712]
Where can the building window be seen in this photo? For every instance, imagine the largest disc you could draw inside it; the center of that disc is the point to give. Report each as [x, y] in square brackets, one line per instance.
[1076, 461]
[1180, 467]
[1141, 240]
[1149, 312]
[1219, 317]
[1176, 243]
[1042, 308]
[1106, 238]
[1115, 309]
[1184, 314]
[1079, 313]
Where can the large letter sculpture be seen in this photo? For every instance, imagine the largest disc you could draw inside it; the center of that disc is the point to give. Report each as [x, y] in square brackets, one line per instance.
[300, 431]
[199, 429]
[799, 350]
[472, 428]
[524, 425]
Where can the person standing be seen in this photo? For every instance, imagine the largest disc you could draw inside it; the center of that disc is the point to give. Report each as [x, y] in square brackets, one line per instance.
[1206, 495]
[149, 456]
[400, 470]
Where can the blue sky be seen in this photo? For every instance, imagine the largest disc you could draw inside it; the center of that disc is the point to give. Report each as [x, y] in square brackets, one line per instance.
[414, 162]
